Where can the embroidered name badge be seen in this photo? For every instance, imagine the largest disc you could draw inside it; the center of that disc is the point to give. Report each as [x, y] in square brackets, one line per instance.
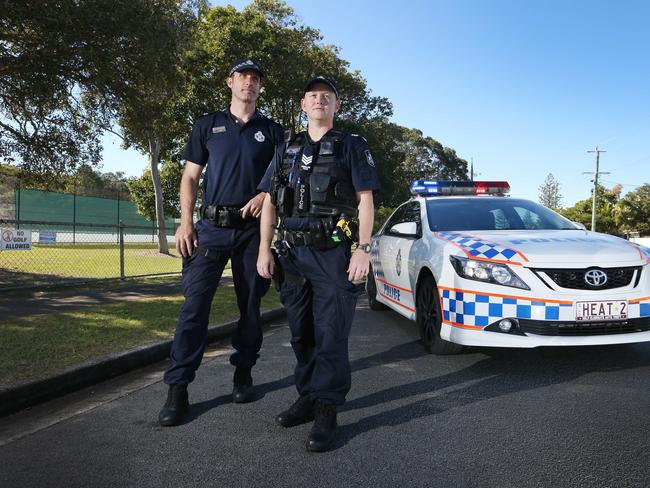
[221, 128]
[259, 137]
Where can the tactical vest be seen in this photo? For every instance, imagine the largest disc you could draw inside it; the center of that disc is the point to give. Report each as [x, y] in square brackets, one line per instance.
[320, 184]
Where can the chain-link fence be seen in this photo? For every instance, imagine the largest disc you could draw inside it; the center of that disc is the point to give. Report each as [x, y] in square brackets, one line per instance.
[34, 254]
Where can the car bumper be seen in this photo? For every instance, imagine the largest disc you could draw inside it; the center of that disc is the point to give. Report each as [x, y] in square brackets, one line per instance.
[471, 317]
[475, 337]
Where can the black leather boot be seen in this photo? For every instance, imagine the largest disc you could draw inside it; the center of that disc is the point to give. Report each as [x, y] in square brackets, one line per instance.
[300, 412]
[323, 432]
[175, 407]
[243, 391]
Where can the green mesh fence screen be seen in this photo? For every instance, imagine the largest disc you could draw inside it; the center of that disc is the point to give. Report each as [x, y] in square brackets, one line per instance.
[37, 205]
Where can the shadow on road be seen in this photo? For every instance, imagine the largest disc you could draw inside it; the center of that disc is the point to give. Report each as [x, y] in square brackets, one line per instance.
[504, 371]
[403, 352]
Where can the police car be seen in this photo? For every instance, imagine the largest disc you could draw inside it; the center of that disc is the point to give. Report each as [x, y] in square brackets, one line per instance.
[472, 266]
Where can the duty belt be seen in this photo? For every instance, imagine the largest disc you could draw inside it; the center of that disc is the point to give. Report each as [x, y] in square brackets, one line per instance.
[318, 236]
[222, 216]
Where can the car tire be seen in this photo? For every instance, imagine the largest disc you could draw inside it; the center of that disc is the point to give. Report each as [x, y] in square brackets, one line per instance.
[371, 290]
[429, 319]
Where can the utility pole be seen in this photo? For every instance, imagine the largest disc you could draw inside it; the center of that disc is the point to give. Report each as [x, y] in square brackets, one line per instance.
[472, 173]
[595, 180]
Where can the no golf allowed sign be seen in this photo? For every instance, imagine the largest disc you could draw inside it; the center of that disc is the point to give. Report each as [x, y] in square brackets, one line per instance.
[15, 240]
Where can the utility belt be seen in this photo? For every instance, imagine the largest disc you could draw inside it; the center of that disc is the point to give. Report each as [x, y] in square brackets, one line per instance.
[317, 235]
[222, 216]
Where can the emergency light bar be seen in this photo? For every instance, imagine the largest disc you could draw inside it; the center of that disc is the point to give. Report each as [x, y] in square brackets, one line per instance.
[445, 187]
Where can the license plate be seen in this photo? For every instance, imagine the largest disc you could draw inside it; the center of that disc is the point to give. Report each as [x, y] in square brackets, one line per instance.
[601, 310]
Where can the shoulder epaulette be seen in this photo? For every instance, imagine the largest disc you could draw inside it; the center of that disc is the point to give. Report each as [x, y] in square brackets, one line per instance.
[360, 137]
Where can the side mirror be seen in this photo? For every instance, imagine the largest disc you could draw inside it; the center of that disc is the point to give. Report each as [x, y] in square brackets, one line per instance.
[405, 229]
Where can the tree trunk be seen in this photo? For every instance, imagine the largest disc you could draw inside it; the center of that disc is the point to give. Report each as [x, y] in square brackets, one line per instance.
[154, 158]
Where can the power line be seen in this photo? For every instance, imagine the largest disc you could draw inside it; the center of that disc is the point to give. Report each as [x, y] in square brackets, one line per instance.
[611, 182]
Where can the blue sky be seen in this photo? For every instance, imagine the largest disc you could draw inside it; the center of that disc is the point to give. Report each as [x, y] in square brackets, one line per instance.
[525, 88]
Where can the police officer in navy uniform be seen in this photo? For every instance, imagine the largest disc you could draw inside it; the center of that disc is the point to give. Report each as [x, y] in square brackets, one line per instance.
[319, 182]
[235, 146]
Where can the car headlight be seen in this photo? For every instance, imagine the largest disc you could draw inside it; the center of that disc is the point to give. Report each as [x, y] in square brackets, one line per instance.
[499, 274]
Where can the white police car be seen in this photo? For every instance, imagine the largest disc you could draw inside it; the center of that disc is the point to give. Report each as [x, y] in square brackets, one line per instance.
[473, 267]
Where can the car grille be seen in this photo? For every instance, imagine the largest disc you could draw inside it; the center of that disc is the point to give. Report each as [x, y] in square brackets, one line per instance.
[574, 278]
[548, 328]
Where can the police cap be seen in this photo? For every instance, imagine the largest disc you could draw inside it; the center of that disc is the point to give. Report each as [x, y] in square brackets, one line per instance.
[244, 64]
[325, 81]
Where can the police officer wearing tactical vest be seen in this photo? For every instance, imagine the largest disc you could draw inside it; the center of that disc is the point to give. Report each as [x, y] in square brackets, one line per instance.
[321, 182]
[236, 146]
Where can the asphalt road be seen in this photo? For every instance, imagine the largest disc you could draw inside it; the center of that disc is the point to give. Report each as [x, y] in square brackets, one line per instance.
[567, 417]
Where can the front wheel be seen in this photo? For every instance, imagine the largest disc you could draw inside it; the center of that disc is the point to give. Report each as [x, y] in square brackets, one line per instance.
[429, 319]
[371, 290]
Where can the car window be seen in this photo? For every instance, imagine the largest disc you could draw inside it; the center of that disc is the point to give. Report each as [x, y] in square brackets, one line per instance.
[500, 219]
[395, 218]
[491, 213]
[530, 219]
[409, 212]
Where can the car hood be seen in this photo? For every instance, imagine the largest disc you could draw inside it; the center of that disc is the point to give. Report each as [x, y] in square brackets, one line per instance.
[575, 248]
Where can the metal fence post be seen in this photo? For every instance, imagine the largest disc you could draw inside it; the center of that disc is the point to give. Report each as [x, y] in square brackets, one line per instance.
[118, 205]
[74, 214]
[121, 231]
[17, 210]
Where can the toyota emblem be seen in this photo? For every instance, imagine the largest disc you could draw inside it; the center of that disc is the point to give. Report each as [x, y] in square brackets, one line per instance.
[595, 277]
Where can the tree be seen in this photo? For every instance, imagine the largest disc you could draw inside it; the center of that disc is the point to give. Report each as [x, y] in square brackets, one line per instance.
[143, 195]
[549, 192]
[84, 181]
[143, 111]
[607, 201]
[70, 69]
[404, 155]
[633, 211]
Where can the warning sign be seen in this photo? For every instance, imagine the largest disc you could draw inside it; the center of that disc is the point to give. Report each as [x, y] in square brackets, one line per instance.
[15, 240]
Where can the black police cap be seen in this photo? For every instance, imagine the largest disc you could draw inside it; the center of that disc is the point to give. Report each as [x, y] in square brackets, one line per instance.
[325, 81]
[243, 65]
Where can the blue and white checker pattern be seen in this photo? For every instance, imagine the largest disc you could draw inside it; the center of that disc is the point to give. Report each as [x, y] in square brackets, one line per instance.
[479, 248]
[481, 310]
[375, 258]
[639, 309]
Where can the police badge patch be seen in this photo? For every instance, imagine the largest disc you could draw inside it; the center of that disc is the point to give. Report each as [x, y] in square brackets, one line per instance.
[259, 137]
[369, 159]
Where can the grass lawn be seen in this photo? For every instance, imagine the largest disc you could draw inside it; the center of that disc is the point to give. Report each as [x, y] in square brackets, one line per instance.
[32, 347]
[46, 262]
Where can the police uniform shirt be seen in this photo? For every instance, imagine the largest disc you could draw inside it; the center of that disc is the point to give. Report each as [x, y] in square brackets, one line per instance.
[355, 156]
[236, 157]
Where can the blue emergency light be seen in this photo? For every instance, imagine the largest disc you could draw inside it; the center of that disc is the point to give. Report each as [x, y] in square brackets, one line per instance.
[446, 187]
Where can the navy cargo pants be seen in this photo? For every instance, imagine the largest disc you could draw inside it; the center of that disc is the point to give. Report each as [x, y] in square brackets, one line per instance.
[320, 304]
[201, 275]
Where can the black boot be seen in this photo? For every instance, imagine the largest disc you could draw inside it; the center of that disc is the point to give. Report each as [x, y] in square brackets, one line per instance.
[243, 391]
[175, 407]
[323, 432]
[300, 412]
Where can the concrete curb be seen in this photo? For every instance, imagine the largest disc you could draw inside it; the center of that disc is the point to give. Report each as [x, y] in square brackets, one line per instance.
[29, 393]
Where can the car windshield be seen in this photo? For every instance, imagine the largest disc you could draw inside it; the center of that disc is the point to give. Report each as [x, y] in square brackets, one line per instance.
[492, 213]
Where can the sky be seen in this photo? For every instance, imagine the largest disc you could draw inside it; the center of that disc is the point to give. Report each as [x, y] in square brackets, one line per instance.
[522, 88]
